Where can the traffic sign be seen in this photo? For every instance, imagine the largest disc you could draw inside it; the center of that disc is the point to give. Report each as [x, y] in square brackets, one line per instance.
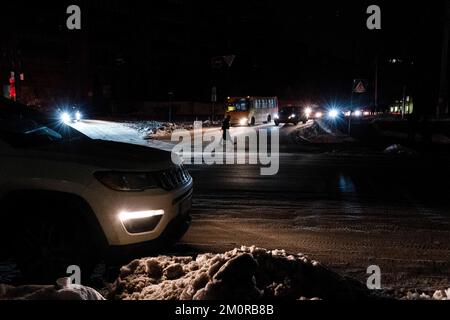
[359, 86]
[229, 60]
[222, 61]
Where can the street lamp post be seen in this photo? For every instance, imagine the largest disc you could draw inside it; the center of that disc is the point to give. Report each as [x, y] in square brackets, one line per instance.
[404, 102]
[350, 117]
[376, 85]
[213, 101]
[170, 105]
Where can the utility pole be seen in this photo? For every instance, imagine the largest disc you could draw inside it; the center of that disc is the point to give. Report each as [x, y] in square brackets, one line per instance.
[351, 114]
[404, 102]
[376, 84]
[443, 88]
[213, 101]
[170, 105]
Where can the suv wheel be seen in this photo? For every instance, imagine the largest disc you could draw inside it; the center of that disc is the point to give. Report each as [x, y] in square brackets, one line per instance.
[46, 246]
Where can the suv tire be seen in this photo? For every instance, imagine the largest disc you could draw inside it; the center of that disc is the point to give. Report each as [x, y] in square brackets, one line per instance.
[50, 240]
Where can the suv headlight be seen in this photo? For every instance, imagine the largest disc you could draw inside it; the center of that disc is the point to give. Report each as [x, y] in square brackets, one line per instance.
[127, 181]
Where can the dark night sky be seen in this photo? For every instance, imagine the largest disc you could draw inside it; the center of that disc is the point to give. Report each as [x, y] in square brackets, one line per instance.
[293, 49]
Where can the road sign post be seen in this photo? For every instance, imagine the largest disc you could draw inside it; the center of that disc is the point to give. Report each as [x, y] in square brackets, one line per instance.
[213, 101]
[359, 87]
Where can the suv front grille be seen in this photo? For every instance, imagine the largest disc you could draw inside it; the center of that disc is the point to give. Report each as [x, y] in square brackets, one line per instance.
[172, 178]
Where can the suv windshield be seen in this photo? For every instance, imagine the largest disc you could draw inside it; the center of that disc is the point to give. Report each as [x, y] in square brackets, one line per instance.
[288, 110]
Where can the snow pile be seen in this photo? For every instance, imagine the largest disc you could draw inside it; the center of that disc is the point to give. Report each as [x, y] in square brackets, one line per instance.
[65, 292]
[440, 295]
[440, 139]
[209, 124]
[8, 272]
[160, 130]
[399, 150]
[436, 138]
[146, 127]
[241, 274]
[322, 134]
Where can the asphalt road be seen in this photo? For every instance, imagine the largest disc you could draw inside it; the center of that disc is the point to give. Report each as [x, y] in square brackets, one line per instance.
[348, 210]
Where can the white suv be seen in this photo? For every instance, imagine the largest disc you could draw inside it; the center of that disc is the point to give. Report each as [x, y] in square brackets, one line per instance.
[70, 200]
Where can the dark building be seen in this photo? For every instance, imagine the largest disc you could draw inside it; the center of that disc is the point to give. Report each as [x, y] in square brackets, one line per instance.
[130, 52]
[123, 52]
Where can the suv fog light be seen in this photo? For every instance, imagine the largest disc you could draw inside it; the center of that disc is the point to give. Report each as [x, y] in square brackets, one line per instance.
[127, 215]
[141, 221]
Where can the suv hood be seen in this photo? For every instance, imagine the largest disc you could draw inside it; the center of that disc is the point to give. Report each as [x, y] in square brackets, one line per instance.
[107, 155]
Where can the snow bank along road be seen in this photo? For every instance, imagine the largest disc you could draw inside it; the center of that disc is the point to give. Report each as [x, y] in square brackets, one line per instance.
[115, 131]
[348, 212]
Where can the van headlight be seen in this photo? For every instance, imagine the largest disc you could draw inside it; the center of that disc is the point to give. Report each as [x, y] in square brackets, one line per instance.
[127, 181]
[243, 122]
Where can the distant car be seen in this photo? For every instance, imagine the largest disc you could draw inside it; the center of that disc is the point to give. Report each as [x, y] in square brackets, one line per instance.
[293, 115]
[317, 115]
[70, 115]
[69, 200]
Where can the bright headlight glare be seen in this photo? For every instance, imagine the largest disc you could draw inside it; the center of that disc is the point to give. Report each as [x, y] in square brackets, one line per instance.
[78, 115]
[319, 115]
[243, 121]
[65, 117]
[125, 216]
[126, 181]
[333, 113]
[358, 113]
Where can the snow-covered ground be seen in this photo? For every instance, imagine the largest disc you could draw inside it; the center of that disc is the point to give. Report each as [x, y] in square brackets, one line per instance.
[321, 132]
[241, 274]
[382, 131]
[399, 150]
[245, 274]
[163, 130]
[119, 132]
[150, 133]
[60, 291]
[435, 138]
